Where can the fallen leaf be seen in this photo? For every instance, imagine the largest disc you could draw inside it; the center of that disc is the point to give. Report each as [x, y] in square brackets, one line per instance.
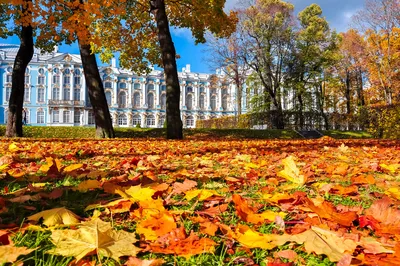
[56, 216]
[133, 261]
[93, 236]
[291, 173]
[203, 194]
[10, 253]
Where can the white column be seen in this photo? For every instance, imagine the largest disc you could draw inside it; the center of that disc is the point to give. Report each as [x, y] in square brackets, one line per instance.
[143, 89]
[83, 90]
[142, 120]
[48, 91]
[129, 86]
[219, 105]
[61, 84]
[114, 100]
[183, 92]
[207, 104]
[157, 98]
[196, 97]
[71, 84]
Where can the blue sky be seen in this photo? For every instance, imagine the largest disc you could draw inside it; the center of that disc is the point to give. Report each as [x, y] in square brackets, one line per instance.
[337, 12]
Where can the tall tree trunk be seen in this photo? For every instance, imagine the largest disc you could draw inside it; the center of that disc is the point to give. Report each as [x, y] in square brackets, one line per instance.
[104, 128]
[24, 56]
[174, 122]
[360, 92]
[300, 110]
[278, 119]
[347, 93]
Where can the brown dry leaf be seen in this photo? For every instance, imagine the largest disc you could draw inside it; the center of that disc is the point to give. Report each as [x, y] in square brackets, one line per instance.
[133, 261]
[206, 226]
[326, 242]
[93, 236]
[10, 253]
[372, 246]
[214, 211]
[187, 185]
[51, 167]
[56, 216]
[177, 243]
[327, 210]
[286, 254]
[388, 217]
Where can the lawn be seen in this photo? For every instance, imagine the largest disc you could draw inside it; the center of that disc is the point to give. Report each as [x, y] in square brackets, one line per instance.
[199, 202]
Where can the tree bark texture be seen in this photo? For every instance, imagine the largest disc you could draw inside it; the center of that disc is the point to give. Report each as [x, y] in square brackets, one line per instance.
[16, 101]
[348, 92]
[174, 122]
[97, 96]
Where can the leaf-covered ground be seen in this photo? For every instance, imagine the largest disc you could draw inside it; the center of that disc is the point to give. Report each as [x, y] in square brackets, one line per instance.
[215, 202]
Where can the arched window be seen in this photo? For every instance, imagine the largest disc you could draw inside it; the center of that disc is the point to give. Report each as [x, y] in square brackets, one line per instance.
[202, 90]
[224, 91]
[108, 97]
[40, 117]
[189, 89]
[67, 94]
[27, 77]
[213, 102]
[122, 99]
[56, 76]
[77, 94]
[67, 77]
[224, 102]
[213, 91]
[189, 121]
[40, 97]
[202, 101]
[163, 88]
[163, 101]
[122, 120]
[150, 120]
[56, 94]
[9, 78]
[77, 72]
[136, 99]
[122, 85]
[136, 86]
[150, 100]
[136, 120]
[189, 101]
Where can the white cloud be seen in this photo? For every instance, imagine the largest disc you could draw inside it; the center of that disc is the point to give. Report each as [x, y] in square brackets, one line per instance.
[182, 32]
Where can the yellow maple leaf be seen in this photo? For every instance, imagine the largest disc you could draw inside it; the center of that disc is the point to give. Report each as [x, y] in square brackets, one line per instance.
[203, 194]
[253, 239]
[394, 192]
[93, 236]
[56, 216]
[137, 193]
[291, 172]
[13, 147]
[72, 167]
[391, 168]
[88, 184]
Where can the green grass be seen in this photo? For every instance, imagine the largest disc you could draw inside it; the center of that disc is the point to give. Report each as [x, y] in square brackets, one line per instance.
[89, 132]
[337, 134]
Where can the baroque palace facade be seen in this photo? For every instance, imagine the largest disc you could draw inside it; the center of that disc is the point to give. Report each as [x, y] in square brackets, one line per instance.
[56, 94]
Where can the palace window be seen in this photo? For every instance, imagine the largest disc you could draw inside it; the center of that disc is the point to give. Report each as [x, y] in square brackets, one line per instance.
[56, 116]
[161, 121]
[163, 101]
[150, 87]
[136, 120]
[91, 120]
[122, 120]
[41, 80]
[40, 117]
[136, 86]
[26, 117]
[41, 71]
[136, 99]
[77, 94]
[108, 85]
[189, 89]
[40, 96]
[8, 93]
[108, 97]
[27, 79]
[66, 116]
[189, 121]
[150, 120]
[225, 103]
[67, 94]
[122, 99]
[201, 101]
[27, 94]
[122, 85]
[56, 94]
[77, 116]
[9, 78]
[189, 102]
[150, 100]
[213, 102]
